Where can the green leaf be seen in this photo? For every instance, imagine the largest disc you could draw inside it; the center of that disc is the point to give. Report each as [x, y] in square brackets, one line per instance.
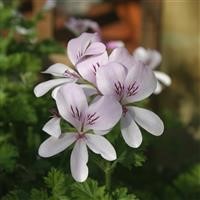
[89, 190]
[38, 195]
[122, 194]
[56, 181]
[139, 159]
[130, 158]
[188, 184]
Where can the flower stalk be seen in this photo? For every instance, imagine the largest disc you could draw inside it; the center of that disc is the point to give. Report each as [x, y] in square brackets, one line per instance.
[108, 175]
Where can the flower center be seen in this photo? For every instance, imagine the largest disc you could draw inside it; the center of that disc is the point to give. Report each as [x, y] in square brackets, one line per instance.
[124, 110]
[80, 135]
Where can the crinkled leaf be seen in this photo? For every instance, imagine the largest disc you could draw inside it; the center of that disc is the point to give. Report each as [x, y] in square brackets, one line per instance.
[56, 181]
[89, 190]
[122, 194]
[38, 195]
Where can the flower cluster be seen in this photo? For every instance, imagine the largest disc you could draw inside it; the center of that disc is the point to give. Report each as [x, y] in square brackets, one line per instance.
[93, 95]
[78, 26]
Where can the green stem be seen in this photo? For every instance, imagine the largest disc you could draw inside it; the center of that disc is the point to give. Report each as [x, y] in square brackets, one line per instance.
[108, 173]
[108, 180]
[109, 170]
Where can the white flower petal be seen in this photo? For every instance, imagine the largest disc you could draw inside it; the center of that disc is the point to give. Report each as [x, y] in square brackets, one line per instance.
[75, 25]
[115, 44]
[88, 90]
[141, 54]
[77, 47]
[57, 69]
[147, 120]
[99, 145]
[130, 131]
[154, 58]
[44, 87]
[88, 67]
[163, 77]
[122, 56]
[53, 146]
[52, 127]
[54, 92]
[149, 57]
[95, 48]
[103, 114]
[79, 26]
[78, 161]
[92, 25]
[158, 89]
[108, 75]
[72, 104]
[142, 77]
[102, 132]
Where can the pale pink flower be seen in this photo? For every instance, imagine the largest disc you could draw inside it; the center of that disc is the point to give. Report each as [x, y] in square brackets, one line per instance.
[101, 115]
[122, 56]
[152, 58]
[87, 44]
[86, 53]
[114, 44]
[129, 86]
[79, 26]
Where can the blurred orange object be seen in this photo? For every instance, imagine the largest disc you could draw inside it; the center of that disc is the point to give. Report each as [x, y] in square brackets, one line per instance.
[129, 26]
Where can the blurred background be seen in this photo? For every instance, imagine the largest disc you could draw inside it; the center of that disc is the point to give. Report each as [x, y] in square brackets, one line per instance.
[32, 38]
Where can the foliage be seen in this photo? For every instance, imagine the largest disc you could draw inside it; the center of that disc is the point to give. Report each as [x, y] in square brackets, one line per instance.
[21, 117]
[8, 156]
[191, 181]
[186, 185]
[121, 194]
[56, 182]
[58, 186]
[89, 190]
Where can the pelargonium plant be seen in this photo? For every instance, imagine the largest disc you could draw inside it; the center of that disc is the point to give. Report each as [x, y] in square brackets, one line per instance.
[98, 90]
